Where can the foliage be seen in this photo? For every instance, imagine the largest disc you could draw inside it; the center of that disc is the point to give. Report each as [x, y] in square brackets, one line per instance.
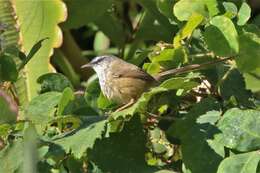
[202, 120]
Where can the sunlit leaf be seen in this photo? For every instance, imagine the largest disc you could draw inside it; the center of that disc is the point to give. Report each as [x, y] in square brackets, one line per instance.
[194, 20]
[183, 9]
[41, 109]
[240, 129]
[66, 100]
[221, 36]
[241, 163]
[243, 14]
[90, 133]
[231, 9]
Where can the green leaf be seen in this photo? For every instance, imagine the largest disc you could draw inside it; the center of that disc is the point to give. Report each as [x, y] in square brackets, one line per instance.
[101, 42]
[179, 83]
[165, 7]
[212, 6]
[226, 26]
[170, 58]
[194, 21]
[53, 82]
[221, 36]
[74, 143]
[41, 23]
[41, 109]
[243, 14]
[249, 52]
[103, 102]
[241, 163]
[152, 68]
[183, 9]
[252, 80]
[32, 52]
[92, 92]
[240, 129]
[122, 152]
[139, 106]
[8, 71]
[216, 41]
[198, 136]
[234, 86]
[231, 9]
[9, 109]
[11, 157]
[66, 100]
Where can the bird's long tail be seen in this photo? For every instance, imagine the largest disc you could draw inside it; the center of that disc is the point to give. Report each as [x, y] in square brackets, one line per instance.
[190, 68]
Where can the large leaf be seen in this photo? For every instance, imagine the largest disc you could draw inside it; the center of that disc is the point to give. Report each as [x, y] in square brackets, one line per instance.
[83, 139]
[234, 86]
[241, 163]
[241, 129]
[170, 58]
[122, 152]
[42, 108]
[40, 23]
[252, 80]
[194, 21]
[202, 151]
[9, 109]
[183, 9]
[11, 158]
[221, 36]
[249, 52]
[139, 106]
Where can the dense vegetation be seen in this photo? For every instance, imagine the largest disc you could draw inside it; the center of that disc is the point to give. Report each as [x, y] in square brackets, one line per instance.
[54, 118]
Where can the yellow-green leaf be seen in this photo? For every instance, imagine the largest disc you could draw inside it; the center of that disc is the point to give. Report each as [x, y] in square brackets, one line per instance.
[194, 21]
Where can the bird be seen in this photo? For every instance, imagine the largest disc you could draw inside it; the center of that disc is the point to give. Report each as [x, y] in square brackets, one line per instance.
[124, 83]
[120, 81]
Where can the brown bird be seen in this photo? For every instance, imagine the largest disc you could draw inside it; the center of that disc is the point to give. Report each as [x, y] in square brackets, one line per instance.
[124, 83]
[119, 80]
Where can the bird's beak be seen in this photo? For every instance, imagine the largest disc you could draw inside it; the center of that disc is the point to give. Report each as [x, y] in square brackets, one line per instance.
[87, 65]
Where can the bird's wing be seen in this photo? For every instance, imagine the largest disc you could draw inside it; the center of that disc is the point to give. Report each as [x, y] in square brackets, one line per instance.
[127, 70]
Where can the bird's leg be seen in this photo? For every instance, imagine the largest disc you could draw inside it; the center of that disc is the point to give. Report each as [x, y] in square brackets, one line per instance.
[130, 103]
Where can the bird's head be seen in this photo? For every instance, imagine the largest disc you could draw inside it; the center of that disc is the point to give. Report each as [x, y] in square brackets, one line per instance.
[100, 62]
